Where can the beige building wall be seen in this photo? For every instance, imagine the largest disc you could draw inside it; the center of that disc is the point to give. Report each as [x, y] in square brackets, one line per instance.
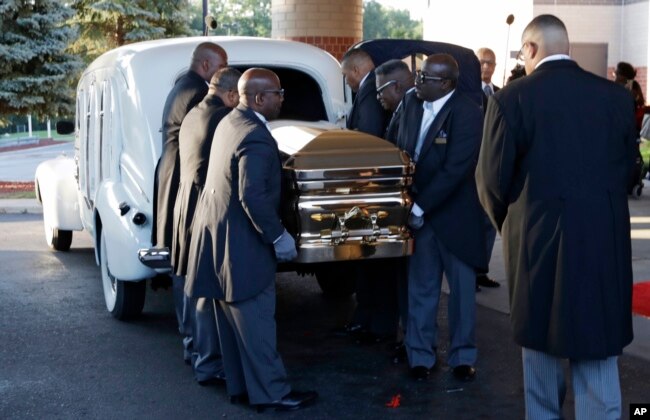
[333, 25]
[623, 27]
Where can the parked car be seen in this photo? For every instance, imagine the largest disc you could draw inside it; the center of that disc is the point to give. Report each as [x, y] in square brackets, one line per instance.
[346, 195]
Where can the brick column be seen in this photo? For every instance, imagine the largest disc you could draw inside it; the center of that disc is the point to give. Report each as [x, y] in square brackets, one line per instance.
[333, 25]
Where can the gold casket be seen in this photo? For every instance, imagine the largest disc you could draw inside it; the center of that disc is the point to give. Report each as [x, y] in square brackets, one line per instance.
[345, 194]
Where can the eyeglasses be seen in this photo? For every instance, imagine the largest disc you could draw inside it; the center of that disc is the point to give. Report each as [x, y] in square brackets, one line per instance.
[421, 78]
[276, 91]
[488, 62]
[520, 54]
[381, 88]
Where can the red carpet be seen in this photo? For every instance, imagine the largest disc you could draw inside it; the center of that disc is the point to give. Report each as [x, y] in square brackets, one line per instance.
[641, 298]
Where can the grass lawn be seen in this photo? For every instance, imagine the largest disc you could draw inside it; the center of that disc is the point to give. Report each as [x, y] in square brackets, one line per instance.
[17, 194]
[39, 134]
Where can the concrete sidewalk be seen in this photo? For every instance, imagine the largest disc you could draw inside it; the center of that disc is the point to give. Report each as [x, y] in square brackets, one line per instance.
[20, 206]
[497, 298]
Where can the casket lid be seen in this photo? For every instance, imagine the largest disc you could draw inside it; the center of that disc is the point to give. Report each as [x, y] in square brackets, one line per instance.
[327, 148]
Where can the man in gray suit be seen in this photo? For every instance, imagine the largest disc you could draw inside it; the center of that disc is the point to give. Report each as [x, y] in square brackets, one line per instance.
[194, 141]
[558, 147]
[238, 239]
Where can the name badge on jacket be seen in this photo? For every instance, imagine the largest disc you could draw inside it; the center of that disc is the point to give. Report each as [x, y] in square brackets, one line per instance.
[441, 138]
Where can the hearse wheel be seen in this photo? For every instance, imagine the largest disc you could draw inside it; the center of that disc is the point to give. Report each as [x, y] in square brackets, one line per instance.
[124, 299]
[59, 240]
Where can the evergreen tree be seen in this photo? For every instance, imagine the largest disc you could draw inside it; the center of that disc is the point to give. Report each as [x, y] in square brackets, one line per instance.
[34, 65]
[107, 24]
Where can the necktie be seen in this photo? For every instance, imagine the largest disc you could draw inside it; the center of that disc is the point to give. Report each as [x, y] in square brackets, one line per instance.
[488, 90]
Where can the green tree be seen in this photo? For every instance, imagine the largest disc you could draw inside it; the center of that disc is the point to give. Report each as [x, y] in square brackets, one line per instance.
[383, 22]
[34, 65]
[242, 17]
[107, 24]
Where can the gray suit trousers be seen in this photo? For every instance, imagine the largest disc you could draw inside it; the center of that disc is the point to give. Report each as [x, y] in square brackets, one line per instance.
[596, 387]
[426, 266]
[206, 359]
[184, 316]
[249, 345]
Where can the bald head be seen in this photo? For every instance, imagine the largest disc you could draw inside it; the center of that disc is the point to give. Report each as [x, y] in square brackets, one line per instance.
[259, 89]
[207, 58]
[445, 65]
[438, 77]
[544, 36]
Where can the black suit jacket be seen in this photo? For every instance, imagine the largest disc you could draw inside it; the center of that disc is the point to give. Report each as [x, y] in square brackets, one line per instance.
[238, 215]
[557, 148]
[188, 91]
[444, 185]
[194, 141]
[367, 114]
[393, 125]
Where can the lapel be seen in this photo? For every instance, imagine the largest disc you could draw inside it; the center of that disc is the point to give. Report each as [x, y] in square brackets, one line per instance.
[436, 125]
[413, 111]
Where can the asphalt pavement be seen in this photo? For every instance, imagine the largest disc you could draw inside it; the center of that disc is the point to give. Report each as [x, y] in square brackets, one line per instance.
[355, 382]
[62, 356]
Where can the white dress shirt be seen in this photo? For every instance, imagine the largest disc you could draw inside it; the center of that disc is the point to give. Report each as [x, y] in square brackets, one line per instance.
[431, 109]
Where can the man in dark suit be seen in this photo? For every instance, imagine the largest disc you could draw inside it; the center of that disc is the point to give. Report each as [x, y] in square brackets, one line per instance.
[374, 319]
[188, 91]
[393, 79]
[238, 239]
[194, 141]
[488, 61]
[367, 114]
[558, 147]
[441, 129]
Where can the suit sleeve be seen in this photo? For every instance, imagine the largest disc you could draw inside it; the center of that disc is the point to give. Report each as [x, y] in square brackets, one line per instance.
[371, 117]
[258, 167]
[496, 164]
[460, 158]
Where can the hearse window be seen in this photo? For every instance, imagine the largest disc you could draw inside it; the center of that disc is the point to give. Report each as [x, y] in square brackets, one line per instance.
[303, 98]
[102, 100]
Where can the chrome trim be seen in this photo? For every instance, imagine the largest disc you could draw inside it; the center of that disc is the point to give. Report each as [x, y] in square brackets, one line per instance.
[157, 258]
[354, 250]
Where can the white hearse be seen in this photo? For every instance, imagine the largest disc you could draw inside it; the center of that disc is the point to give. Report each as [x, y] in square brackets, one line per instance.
[346, 193]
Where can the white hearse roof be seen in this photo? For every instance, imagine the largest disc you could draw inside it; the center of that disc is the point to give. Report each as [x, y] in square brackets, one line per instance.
[149, 57]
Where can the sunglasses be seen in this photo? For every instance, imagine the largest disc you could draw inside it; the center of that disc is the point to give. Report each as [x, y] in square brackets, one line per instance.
[421, 78]
[276, 91]
[381, 88]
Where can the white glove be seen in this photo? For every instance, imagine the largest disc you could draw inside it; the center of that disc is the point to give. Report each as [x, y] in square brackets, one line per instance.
[415, 222]
[285, 247]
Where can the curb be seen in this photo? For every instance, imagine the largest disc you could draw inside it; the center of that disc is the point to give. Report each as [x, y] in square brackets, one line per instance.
[20, 206]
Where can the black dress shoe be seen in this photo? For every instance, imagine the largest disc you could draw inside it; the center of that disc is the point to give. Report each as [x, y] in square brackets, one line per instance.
[239, 399]
[485, 281]
[214, 381]
[464, 372]
[399, 353]
[420, 373]
[294, 400]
